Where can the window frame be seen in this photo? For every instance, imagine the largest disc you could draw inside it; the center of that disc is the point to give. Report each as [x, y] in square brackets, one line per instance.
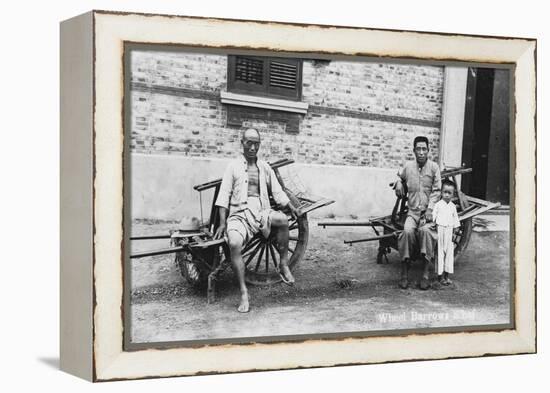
[264, 90]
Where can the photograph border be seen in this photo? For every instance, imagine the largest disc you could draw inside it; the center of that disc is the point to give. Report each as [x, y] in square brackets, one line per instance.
[110, 30]
[177, 48]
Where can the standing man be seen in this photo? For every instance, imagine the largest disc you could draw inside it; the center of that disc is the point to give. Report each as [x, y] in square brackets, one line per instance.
[244, 209]
[422, 179]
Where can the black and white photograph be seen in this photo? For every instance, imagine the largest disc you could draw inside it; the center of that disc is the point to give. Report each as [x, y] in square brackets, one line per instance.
[215, 196]
[276, 196]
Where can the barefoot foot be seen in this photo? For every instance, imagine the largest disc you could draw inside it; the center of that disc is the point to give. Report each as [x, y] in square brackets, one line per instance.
[243, 305]
[286, 275]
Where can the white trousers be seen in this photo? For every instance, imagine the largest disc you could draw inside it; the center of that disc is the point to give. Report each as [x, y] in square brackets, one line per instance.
[445, 249]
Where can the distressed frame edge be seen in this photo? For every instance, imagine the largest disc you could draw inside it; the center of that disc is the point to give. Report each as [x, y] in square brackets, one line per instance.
[76, 196]
[525, 338]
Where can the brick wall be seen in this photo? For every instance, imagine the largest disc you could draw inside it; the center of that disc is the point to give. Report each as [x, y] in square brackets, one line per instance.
[361, 113]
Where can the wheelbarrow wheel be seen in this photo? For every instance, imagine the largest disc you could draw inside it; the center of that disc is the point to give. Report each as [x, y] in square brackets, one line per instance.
[382, 255]
[194, 272]
[195, 267]
[261, 256]
[462, 237]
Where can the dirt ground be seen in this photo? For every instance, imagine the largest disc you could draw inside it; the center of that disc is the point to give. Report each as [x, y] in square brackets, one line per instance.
[340, 288]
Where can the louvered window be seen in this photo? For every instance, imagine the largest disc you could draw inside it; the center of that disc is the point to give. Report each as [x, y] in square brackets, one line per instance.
[249, 70]
[265, 76]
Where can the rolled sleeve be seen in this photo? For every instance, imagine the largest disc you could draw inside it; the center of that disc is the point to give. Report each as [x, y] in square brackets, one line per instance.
[279, 195]
[224, 195]
[401, 176]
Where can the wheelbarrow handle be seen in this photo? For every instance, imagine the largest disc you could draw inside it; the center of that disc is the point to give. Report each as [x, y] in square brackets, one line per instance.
[373, 238]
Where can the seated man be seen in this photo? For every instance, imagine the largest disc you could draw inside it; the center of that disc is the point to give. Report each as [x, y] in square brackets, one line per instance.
[244, 195]
[423, 180]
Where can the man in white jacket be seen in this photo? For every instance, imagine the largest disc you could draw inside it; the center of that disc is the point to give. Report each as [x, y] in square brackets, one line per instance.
[244, 209]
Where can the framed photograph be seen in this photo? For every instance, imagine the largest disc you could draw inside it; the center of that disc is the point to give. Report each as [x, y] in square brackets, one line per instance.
[243, 195]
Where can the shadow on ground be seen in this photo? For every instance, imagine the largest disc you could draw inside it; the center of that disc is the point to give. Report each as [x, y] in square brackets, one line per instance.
[52, 362]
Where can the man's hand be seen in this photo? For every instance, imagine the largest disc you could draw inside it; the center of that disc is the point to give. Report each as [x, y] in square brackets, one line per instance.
[399, 189]
[220, 232]
[294, 212]
[429, 216]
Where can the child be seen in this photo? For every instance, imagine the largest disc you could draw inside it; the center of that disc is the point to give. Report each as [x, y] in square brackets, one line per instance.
[446, 219]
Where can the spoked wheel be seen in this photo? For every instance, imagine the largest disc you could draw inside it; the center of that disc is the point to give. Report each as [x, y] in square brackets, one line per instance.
[462, 238]
[261, 256]
[382, 255]
[385, 245]
[194, 272]
[196, 267]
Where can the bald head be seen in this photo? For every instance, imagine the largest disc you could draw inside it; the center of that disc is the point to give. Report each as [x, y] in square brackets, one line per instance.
[251, 143]
[251, 133]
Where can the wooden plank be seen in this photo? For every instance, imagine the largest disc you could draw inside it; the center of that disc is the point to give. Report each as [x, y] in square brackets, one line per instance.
[208, 243]
[316, 205]
[374, 238]
[162, 251]
[455, 171]
[479, 201]
[207, 185]
[150, 237]
[187, 234]
[347, 223]
[478, 211]
[467, 210]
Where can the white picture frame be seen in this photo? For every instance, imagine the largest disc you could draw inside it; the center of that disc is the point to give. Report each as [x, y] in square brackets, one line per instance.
[92, 189]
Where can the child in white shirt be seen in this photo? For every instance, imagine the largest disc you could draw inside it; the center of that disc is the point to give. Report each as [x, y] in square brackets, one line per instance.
[446, 219]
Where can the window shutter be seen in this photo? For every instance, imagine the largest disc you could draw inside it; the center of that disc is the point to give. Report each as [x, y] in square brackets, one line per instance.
[249, 70]
[283, 75]
[275, 77]
[285, 79]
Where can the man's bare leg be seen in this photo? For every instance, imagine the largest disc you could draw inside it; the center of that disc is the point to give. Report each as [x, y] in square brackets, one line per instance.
[279, 223]
[235, 241]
